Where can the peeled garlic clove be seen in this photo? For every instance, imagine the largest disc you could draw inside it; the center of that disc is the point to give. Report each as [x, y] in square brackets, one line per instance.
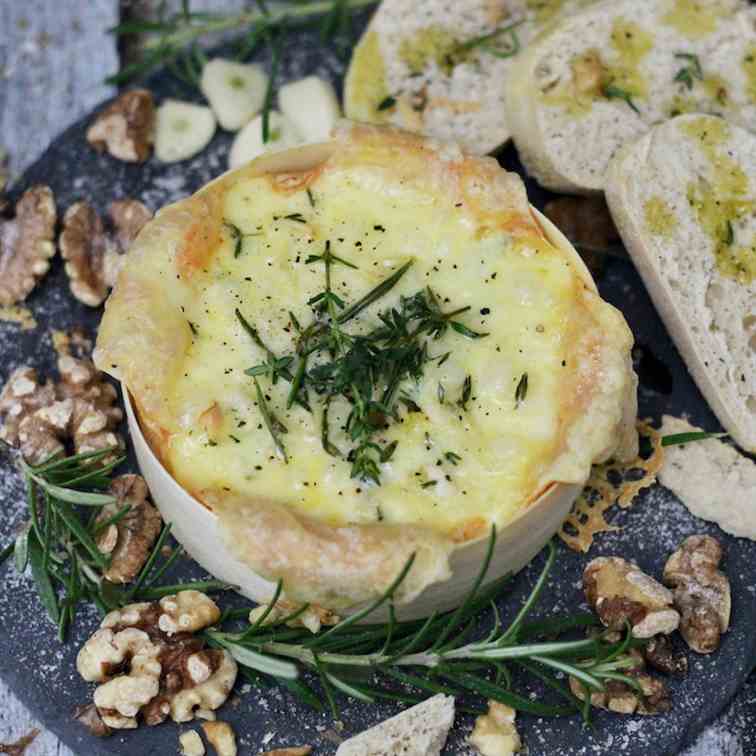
[249, 144]
[182, 129]
[235, 91]
[312, 106]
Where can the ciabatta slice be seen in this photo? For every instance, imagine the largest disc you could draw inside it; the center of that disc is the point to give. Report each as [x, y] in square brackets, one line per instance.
[419, 731]
[600, 78]
[684, 201]
[712, 479]
[438, 67]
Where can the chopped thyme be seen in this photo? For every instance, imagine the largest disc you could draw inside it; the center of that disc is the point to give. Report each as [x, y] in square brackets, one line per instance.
[388, 451]
[429, 484]
[193, 328]
[492, 43]
[729, 234]
[612, 92]
[272, 423]
[522, 390]
[443, 358]
[386, 103]
[327, 445]
[441, 393]
[466, 392]
[234, 438]
[453, 457]
[210, 442]
[310, 197]
[237, 236]
[368, 370]
[298, 217]
[688, 73]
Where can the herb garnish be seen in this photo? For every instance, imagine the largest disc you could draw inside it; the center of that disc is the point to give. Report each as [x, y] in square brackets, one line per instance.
[692, 71]
[466, 392]
[522, 390]
[501, 43]
[237, 236]
[729, 234]
[366, 370]
[386, 103]
[272, 423]
[63, 496]
[453, 457]
[441, 654]
[612, 92]
[675, 439]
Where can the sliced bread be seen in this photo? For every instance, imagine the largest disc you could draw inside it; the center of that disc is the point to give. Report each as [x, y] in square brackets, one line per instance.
[712, 479]
[438, 67]
[684, 201]
[419, 731]
[597, 79]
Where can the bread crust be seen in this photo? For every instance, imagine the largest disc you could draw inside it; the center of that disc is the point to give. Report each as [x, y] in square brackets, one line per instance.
[143, 336]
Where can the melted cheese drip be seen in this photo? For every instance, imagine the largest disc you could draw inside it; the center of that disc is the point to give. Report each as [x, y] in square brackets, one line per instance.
[521, 293]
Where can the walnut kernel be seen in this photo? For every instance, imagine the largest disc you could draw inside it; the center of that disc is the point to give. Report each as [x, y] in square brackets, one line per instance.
[620, 592]
[125, 127]
[701, 592]
[221, 736]
[27, 244]
[129, 540]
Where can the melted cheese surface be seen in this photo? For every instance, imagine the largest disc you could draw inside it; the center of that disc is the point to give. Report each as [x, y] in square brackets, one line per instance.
[521, 292]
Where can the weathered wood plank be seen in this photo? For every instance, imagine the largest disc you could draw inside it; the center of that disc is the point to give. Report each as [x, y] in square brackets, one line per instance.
[53, 59]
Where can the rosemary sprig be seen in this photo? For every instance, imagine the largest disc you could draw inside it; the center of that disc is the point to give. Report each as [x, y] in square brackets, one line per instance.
[437, 654]
[59, 542]
[176, 35]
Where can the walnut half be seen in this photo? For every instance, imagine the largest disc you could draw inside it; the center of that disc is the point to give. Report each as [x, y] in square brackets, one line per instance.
[146, 673]
[94, 254]
[701, 592]
[27, 242]
[125, 127]
[620, 592]
[621, 698]
[129, 540]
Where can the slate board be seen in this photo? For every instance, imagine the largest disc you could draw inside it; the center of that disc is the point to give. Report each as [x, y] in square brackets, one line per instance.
[42, 672]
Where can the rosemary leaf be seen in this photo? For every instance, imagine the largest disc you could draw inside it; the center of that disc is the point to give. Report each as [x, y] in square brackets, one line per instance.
[41, 576]
[675, 439]
[20, 549]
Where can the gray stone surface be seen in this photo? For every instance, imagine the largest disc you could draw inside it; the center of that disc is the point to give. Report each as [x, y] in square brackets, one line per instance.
[54, 55]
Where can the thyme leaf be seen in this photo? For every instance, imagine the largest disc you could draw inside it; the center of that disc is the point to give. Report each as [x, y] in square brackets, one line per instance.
[692, 71]
[613, 92]
[275, 427]
[521, 391]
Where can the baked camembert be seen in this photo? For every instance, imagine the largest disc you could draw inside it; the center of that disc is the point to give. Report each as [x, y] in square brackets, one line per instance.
[355, 351]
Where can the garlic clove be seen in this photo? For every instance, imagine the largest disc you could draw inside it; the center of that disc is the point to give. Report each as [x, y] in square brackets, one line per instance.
[312, 106]
[182, 130]
[235, 91]
[249, 144]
